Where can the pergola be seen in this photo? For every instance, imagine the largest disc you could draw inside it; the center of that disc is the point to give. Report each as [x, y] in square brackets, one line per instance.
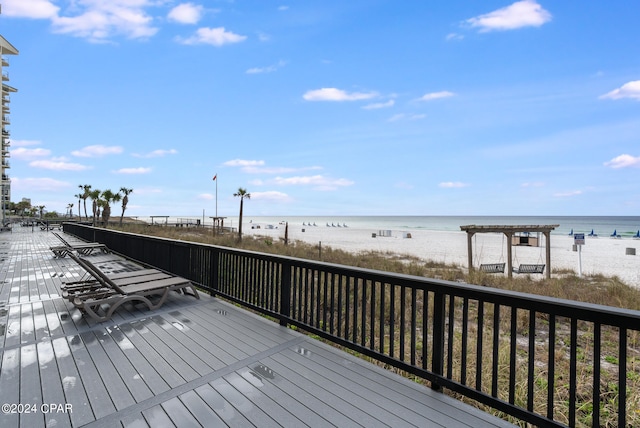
[509, 231]
[218, 224]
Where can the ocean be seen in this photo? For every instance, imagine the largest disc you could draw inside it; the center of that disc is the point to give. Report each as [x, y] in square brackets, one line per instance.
[602, 226]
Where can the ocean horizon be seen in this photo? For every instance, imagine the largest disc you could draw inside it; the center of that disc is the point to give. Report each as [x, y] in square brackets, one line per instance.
[603, 226]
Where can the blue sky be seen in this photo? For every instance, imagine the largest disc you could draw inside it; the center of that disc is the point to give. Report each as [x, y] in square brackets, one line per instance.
[360, 107]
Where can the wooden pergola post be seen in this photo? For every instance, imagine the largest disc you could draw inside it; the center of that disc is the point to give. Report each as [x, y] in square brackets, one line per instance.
[470, 250]
[547, 244]
[509, 236]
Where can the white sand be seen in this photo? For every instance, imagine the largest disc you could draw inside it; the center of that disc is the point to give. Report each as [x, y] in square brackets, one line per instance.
[601, 255]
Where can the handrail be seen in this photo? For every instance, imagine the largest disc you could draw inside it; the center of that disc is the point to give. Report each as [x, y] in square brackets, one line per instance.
[489, 345]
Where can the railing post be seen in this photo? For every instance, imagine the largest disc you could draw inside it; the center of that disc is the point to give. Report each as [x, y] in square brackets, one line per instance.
[438, 337]
[285, 293]
[214, 255]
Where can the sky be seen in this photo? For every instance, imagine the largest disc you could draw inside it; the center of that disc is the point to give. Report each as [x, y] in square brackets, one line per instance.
[327, 107]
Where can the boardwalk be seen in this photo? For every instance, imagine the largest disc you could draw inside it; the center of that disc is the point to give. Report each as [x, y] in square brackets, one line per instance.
[190, 363]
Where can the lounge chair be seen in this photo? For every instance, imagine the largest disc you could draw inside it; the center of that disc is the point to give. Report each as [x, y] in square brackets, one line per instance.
[102, 295]
[84, 248]
[615, 234]
[524, 268]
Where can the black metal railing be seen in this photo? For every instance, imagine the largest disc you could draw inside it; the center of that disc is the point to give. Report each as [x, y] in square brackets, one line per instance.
[540, 360]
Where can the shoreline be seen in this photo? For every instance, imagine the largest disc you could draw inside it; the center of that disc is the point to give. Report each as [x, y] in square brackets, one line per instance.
[600, 255]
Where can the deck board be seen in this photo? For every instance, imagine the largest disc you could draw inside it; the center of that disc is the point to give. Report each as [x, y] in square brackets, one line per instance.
[189, 363]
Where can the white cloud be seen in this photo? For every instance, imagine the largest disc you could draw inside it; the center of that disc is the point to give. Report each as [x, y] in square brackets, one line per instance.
[156, 153]
[206, 196]
[533, 184]
[525, 13]
[436, 95]
[212, 36]
[268, 170]
[628, 90]
[35, 9]
[243, 162]
[139, 170]
[24, 143]
[568, 194]
[271, 195]
[376, 106]
[404, 116]
[31, 184]
[454, 36]
[186, 13]
[334, 94]
[97, 151]
[624, 161]
[320, 182]
[452, 185]
[257, 167]
[100, 20]
[27, 154]
[268, 69]
[283, 8]
[58, 165]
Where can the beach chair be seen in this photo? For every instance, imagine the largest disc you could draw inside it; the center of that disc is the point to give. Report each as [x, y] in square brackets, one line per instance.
[637, 235]
[592, 234]
[527, 268]
[84, 248]
[492, 267]
[615, 234]
[102, 295]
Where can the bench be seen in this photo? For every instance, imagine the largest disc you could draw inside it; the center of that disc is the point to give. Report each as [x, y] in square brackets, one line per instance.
[529, 269]
[492, 267]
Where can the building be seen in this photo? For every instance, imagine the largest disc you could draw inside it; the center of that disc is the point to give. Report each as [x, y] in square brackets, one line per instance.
[6, 48]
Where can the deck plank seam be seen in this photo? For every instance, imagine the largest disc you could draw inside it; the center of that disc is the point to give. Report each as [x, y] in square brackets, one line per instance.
[107, 421]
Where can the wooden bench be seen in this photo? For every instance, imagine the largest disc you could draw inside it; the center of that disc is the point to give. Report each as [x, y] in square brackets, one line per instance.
[524, 268]
[492, 267]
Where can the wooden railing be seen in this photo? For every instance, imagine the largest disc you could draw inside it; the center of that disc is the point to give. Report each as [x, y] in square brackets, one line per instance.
[534, 359]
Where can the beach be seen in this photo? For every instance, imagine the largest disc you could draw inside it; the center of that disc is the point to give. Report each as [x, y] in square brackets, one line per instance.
[600, 255]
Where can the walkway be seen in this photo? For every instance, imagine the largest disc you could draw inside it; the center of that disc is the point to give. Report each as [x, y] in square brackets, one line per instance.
[191, 363]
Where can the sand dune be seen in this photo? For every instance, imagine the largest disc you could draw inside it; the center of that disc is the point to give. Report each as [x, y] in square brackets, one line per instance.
[603, 255]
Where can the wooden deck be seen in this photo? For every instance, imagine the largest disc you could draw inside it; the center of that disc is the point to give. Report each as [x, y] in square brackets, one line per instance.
[190, 363]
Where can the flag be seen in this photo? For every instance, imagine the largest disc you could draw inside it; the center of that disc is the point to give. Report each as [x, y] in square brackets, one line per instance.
[214, 177]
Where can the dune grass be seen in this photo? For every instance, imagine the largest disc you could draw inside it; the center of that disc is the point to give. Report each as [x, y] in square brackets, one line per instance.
[564, 284]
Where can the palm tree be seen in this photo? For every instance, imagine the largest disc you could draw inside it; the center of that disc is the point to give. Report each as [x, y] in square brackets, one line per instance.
[95, 197]
[86, 190]
[69, 208]
[79, 196]
[125, 201]
[40, 210]
[242, 193]
[107, 197]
